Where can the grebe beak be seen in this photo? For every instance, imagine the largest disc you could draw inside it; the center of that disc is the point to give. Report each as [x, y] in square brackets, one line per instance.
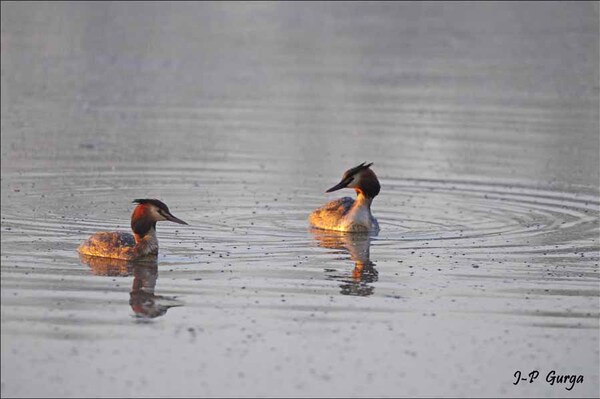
[173, 218]
[340, 185]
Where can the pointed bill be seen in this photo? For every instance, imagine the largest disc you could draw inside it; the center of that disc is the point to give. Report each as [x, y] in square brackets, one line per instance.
[172, 218]
[340, 185]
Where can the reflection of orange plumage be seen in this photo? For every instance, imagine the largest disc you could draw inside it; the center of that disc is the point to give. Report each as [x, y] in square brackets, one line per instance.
[357, 272]
[142, 299]
[357, 245]
[107, 266]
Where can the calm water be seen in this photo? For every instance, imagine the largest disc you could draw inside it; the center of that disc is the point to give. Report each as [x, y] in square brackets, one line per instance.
[482, 121]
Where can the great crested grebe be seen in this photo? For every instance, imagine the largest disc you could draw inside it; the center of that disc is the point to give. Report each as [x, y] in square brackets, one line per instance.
[143, 242]
[346, 214]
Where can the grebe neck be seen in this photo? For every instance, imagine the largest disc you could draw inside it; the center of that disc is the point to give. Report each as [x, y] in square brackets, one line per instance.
[362, 200]
[148, 235]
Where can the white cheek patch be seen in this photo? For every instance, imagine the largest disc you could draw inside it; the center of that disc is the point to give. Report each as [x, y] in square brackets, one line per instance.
[156, 214]
[355, 181]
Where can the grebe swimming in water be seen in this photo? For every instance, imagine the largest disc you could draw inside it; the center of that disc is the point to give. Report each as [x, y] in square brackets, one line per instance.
[346, 214]
[142, 243]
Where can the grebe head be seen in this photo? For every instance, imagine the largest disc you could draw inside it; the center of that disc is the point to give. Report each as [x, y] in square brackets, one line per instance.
[147, 213]
[361, 178]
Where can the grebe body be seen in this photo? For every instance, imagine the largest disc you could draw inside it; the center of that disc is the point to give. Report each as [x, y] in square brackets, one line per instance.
[141, 244]
[347, 214]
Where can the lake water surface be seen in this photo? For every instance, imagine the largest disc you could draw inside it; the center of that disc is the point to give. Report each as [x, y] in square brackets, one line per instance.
[482, 122]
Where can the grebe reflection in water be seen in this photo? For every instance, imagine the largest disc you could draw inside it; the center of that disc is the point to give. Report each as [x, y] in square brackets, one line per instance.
[358, 247]
[142, 299]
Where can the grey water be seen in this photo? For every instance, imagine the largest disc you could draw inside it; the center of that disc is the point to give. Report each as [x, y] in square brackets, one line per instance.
[482, 123]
